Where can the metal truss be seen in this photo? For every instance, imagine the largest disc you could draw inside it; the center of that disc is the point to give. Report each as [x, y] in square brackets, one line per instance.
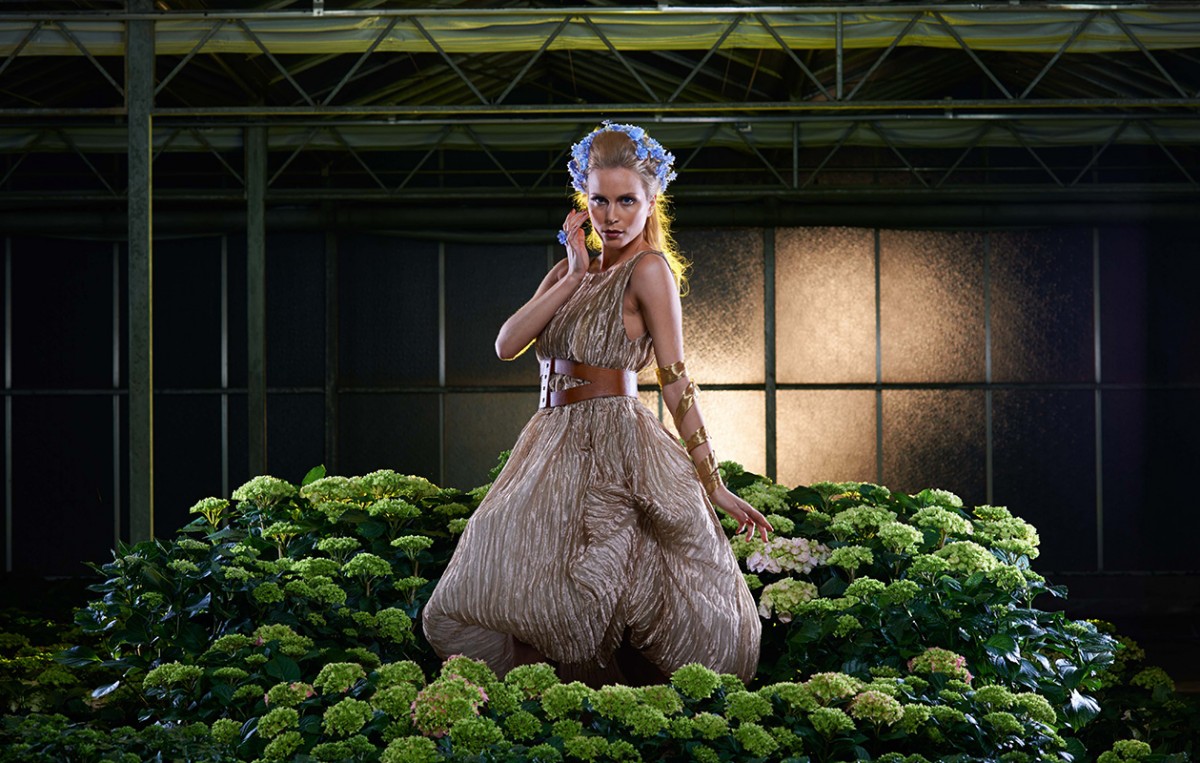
[386, 103]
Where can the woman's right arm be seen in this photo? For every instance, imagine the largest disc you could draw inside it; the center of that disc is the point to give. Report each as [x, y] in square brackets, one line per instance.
[523, 326]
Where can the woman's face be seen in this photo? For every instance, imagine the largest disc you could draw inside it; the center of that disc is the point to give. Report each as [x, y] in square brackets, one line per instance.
[618, 206]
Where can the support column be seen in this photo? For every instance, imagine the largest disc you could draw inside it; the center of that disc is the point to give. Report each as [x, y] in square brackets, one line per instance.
[256, 295]
[139, 100]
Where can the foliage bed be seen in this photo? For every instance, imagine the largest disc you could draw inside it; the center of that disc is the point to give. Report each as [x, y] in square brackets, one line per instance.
[279, 625]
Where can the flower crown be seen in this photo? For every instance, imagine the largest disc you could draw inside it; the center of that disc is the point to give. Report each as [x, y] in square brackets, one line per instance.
[643, 144]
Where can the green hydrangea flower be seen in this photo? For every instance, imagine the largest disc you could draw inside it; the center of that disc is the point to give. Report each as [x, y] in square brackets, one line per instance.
[662, 698]
[586, 748]
[394, 673]
[613, 701]
[695, 681]
[928, 564]
[277, 721]
[1004, 723]
[288, 694]
[561, 700]
[860, 521]
[566, 729]
[850, 558]
[172, 674]
[643, 720]
[899, 593]
[702, 754]
[531, 680]
[831, 721]
[366, 565]
[785, 598]
[1131, 749]
[268, 593]
[183, 567]
[410, 750]
[752, 581]
[995, 696]
[395, 701]
[357, 747]
[544, 753]
[680, 727]
[394, 625]
[846, 624]
[346, 717]
[522, 725]
[330, 489]
[1036, 707]
[914, 717]
[338, 677]
[226, 731]
[746, 707]
[338, 545]
[446, 701]
[456, 526]
[877, 707]
[755, 740]
[264, 491]
[766, 497]
[710, 726]
[782, 524]
[212, 509]
[311, 567]
[830, 687]
[967, 557]
[899, 537]
[283, 746]
[1153, 678]
[945, 714]
[944, 522]
[889, 686]
[412, 544]
[393, 510]
[865, 588]
[795, 696]
[230, 675]
[290, 643]
[251, 693]
[451, 509]
[935, 497]
[474, 735]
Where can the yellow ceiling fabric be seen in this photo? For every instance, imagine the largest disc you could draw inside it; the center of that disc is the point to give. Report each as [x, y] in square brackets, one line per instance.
[1025, 28]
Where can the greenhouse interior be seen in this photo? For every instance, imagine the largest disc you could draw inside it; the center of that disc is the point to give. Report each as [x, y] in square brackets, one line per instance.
[940, 301]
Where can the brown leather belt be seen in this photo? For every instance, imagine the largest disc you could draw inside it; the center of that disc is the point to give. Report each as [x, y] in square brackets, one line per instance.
[602, 382]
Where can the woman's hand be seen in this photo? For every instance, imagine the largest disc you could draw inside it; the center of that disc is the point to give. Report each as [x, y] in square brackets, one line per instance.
[748, 518]
[577, 254]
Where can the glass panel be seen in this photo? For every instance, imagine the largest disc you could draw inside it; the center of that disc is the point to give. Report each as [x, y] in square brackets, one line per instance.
[239, 442]
[187, 313]
[484, 286]
[296, 310]
[1149, 325]
[478, 427]
[825, 435]
[824, 305]
[235, 247]
[735, 419]
[1042, 305]
[62, 335]
[931, 306]
[62, 464]
[387, 311]
[723, 312]
[295, 435]
[935, 438]
[1044, 470]
[1150, 445]
[382, 431]
[187, 457]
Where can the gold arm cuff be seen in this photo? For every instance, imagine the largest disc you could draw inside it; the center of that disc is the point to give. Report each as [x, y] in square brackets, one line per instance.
[698, 438]
[670, 374]
[709, 474]
[686, 401]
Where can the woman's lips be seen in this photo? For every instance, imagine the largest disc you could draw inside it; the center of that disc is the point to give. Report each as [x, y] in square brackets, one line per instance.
[612, 234]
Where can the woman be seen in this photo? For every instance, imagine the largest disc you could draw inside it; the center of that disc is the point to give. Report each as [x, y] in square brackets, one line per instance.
[597, 548]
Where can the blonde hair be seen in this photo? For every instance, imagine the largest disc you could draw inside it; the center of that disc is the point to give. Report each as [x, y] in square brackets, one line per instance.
[613, 149]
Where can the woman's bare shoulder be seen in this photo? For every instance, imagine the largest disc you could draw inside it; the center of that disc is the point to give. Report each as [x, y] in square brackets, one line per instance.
[652, 274]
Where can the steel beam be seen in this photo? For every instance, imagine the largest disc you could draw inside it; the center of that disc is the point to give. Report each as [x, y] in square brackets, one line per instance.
[139, 96]
[256, 296]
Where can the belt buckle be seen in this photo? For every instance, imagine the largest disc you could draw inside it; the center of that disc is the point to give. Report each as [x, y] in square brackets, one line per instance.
[544, 396]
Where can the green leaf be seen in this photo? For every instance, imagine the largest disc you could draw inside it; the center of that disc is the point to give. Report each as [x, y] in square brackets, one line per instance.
[104, 691]
[1004, 646]
[314, 474]
[282, 667]
[1080, 709]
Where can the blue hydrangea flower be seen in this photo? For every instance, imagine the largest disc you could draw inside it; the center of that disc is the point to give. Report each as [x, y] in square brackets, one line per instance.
[644, 145]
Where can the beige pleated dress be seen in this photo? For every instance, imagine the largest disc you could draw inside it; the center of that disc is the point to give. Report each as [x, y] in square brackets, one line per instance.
[597, 535]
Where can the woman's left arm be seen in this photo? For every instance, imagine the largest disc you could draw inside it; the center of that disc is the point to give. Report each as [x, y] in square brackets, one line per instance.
[653, 286]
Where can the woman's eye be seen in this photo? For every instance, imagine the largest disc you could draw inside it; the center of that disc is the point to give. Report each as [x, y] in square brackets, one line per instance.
[626, 200]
